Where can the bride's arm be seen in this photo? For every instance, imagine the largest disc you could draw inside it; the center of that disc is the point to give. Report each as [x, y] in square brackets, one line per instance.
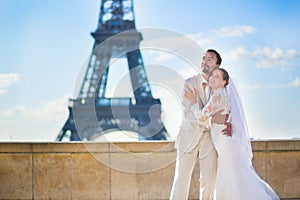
[209, 109]
[222, 116]
[202, 118]
[192, 111]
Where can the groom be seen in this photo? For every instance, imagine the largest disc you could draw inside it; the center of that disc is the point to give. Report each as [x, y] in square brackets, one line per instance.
[194, 140]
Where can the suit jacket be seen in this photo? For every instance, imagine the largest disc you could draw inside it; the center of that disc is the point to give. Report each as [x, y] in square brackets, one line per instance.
[191, 128]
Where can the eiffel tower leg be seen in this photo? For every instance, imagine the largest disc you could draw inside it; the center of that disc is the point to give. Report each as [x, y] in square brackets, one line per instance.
[149, 121]
[75, 136]
[69, 126]
[151, 127]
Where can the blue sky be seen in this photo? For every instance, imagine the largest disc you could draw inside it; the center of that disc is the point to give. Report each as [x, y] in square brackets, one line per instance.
[43, 45]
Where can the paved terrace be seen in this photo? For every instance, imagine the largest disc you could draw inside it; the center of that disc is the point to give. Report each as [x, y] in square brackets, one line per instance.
[124, 170]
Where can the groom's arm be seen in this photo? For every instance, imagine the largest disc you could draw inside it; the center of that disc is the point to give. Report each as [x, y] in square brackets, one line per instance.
[220, 118]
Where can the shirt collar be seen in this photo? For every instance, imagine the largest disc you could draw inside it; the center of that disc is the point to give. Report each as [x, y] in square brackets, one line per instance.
[203, 79]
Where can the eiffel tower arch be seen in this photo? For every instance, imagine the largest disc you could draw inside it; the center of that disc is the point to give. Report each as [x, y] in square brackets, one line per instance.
[91, 113]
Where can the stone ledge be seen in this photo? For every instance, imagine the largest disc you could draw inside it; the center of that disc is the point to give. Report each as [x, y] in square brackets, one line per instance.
[124, 170]
[118, 147]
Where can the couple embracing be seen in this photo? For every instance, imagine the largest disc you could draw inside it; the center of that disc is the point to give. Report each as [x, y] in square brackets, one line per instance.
[214, 131]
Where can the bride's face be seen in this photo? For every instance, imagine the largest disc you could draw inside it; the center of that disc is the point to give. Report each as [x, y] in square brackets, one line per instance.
[216, 81]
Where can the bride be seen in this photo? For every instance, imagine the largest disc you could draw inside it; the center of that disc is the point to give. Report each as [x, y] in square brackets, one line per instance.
[236, 177]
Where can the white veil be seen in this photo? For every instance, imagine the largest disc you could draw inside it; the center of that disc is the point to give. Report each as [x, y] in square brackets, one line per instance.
[240, 133]
[238, 121]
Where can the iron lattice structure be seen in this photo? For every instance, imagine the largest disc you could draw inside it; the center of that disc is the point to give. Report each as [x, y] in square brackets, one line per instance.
[93, 113]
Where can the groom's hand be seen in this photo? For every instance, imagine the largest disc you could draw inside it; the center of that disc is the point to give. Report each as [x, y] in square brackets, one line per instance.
[228, 130]
[220, 118]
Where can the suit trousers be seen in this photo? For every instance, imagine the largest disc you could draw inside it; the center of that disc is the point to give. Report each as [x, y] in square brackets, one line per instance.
[185, 162]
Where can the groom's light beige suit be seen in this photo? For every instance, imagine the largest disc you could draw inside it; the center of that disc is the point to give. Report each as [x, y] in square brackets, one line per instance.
[193, 143]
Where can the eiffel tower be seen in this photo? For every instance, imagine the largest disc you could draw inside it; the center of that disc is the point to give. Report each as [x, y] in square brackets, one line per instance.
[92, 114]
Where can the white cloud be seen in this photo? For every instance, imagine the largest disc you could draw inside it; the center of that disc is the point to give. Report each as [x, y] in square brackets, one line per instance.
[264, 57]
[295, 83]
[40, 123]
[6, 80]
[200, 39]
[238, 54]
[235, 31]
[2, 91]
[274, 57]
[52, 111]
[15, 111]
[291, 53]
[252, 87]
[259, 87]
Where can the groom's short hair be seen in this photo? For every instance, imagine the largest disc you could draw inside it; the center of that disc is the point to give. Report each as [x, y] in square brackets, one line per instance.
[219, 59]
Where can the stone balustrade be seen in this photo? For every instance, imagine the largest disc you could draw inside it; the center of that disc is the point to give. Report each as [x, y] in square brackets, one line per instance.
[124, 170]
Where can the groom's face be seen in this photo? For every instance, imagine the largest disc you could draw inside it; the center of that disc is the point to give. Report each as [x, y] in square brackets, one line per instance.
[209, 63]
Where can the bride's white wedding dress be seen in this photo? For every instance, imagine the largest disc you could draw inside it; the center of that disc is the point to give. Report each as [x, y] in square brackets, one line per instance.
[236, 178]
